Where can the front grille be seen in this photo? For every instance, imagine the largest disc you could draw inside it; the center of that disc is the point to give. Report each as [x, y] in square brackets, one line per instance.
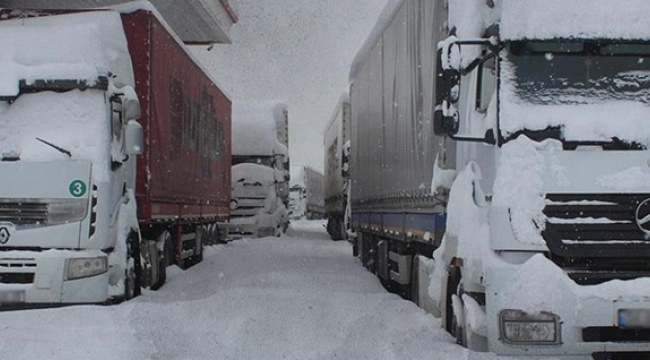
[17, 271]
[615, 334]
[23, 213]
[16, 278]
[595, 225]
[248, 207]
[642, 355]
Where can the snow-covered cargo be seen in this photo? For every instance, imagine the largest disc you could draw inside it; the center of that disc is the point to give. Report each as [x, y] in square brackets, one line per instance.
[501, 179]
[336, 142]
[306, 193]
[83, 218]
[260, 138]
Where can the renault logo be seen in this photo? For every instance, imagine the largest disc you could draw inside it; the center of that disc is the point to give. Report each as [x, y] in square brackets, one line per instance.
[643, 216]
[4, 235]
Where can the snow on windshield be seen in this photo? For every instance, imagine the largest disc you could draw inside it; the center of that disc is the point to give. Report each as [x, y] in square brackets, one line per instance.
[247, 172]
[74, 121]
[75, 46]
[583, 114]
[622, 19]
[254, 130]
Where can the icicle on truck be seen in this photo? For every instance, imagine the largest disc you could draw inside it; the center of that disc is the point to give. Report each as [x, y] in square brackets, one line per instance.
[83, 218]
[501, 173]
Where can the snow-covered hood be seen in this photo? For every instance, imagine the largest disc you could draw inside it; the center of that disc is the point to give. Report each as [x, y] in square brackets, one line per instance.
[528, 171]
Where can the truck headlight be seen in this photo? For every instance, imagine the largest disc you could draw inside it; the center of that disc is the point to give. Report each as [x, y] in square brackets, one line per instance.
[85, 267]
[61, 211]
[519, 327]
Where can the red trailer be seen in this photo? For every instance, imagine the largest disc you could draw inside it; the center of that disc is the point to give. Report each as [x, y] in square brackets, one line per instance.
[183, 177]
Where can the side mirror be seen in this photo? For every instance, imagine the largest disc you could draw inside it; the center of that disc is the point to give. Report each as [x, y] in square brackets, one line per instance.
[131, 104]
[132, 109]
[133, 138]
[444, 125]
[452, 57]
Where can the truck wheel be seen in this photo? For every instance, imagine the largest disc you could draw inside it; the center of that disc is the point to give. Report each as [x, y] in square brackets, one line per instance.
[452, 286]
[201, 234]
[213, 234]
[415, 280]
[458, 318]
[460, 326]
[340, 229]
[165, 259]
[132, 272]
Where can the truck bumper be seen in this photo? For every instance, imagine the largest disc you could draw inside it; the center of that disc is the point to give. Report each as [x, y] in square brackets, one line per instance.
[245, 227]
[587, 319]
[40, 278]
[259, 225]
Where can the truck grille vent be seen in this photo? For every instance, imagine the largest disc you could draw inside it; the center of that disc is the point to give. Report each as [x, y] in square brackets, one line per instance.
[595, 237]
[16, 278]
[23, 213]
[17, 271]
[595, 225]
[615, 334]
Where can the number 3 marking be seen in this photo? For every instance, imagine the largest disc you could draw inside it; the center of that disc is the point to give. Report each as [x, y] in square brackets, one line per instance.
[77, 188]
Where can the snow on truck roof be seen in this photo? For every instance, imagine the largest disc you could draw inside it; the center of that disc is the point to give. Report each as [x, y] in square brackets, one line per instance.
[248, 171]
[518, 19]
[385, 17]
[82, 47]
[620, 19]
[254, 129]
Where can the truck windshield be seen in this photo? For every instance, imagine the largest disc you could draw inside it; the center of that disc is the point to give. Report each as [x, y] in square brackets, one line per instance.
[580, 72]
[55, 126]
[253, 159]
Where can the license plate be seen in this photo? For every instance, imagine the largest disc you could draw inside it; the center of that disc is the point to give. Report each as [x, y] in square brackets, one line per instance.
[12, 296]
[634, 318]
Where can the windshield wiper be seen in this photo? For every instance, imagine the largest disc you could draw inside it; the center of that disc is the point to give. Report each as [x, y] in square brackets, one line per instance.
[60, 149]
[555, 132]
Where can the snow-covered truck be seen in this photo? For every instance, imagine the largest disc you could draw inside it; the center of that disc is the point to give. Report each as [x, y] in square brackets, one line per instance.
[306, 193]
[83, 218]
[260, 169]
[336, 187]
[501, 173]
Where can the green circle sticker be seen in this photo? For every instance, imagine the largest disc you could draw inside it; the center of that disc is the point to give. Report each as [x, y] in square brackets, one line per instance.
[77, 188]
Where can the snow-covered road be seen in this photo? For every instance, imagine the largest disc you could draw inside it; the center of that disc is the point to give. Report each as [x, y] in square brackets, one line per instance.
[301, 296]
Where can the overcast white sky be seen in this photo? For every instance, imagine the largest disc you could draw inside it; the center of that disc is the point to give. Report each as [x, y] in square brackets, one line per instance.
[298, 51]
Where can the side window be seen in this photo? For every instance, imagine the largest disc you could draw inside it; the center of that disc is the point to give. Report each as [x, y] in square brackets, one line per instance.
[486, 85]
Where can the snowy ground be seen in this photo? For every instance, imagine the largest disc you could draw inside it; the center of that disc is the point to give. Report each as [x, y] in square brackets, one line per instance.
[301, 296]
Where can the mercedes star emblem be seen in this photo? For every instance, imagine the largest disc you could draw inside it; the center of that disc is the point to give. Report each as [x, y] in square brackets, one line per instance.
[4, 235]
[643, 216]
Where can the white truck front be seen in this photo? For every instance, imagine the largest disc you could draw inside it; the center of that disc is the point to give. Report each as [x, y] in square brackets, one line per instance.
[256, 208]
[547, 235]
[260, 169]
[67, 152]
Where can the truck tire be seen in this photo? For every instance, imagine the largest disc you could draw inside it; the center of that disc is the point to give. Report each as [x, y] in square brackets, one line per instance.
[132, 276]
[414, 286]
[201, 234]
[165, 259]
[452, 287]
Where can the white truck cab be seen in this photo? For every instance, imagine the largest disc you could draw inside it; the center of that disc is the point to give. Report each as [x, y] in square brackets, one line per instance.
[68, 145]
